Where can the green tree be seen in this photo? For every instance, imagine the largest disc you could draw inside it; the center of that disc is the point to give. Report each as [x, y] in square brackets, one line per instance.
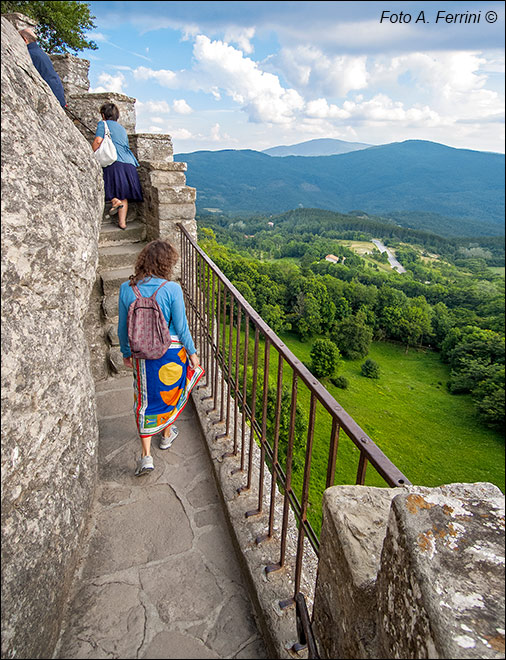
[61, 24]
[370, 369]
[353, 338]
[325, 357]
[306, 316]
[275, 317]
[415, 322]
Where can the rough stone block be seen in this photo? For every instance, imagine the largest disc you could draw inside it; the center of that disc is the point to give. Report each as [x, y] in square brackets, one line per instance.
[422, 578]
[441, 583]
[176, 212]
[20, 21]
[161, 179]
[73, 72]
[87, 107]
[163, 166]
[152, 147]
[354, 526]
[176, 195]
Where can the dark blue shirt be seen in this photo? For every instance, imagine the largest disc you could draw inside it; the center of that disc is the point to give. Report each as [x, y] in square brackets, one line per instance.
[44, 66]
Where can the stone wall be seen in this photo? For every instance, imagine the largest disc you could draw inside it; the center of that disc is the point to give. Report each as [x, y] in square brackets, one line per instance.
[411, 573]
[52, 203]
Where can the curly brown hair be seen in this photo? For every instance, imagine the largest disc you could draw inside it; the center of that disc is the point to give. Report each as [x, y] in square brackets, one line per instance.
[157, 259]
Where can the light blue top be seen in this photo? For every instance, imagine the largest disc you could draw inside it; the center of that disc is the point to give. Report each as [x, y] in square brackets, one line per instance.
[119, 136]
[170, 300]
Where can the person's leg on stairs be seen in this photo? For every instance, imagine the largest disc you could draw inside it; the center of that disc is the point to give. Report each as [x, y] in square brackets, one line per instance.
[122, 214]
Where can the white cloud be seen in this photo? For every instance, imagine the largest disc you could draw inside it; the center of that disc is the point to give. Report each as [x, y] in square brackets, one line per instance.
[309, 68]
[261, 94]
[164, 77]
[378, 109]
[181, 107]
[110, 83]
[320, 109]
[220, 68]
[217, 136]
[183, 134]
[241, 37]
[153, 106]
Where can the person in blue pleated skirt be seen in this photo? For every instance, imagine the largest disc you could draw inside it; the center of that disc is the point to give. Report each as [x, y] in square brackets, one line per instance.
[121, 180]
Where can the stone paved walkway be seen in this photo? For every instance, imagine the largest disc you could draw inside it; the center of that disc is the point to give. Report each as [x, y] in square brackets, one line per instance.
[160, 578]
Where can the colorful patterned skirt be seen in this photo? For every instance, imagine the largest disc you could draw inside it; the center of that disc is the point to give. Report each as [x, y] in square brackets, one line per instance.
[162, 388]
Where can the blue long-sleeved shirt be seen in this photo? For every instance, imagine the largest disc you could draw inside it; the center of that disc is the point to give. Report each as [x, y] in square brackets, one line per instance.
[170, 300]
[42, 62]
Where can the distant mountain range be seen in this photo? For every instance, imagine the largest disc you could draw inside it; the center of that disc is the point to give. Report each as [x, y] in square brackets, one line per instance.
[318, 147]
[394, 180]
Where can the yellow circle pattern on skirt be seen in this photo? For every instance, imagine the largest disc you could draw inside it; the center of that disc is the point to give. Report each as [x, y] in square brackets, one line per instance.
[170, 374]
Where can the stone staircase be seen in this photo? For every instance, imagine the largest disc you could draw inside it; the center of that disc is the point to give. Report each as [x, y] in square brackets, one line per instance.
[118, 251]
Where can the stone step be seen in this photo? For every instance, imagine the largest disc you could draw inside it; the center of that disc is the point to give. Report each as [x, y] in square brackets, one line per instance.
[116, 362]
[112, 280]
[111, 234]
[112, 334]
[119, 256]
[110, 307]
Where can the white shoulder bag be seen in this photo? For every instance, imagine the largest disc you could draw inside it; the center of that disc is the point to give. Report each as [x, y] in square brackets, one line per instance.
[106, 153]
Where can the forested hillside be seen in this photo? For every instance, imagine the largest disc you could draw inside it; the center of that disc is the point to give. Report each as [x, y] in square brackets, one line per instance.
[451, 298]
[401, 181]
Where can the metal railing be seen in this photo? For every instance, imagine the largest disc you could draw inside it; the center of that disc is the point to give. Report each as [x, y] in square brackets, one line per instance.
[248, 393]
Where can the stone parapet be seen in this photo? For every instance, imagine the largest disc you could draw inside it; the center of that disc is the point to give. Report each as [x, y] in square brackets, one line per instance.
[86, 107]
[73, 72]
[411, 572]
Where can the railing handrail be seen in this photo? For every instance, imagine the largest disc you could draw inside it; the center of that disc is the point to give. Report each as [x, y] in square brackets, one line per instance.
[383, 465]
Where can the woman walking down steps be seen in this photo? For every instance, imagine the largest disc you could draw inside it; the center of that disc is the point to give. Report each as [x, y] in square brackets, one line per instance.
[161, 386]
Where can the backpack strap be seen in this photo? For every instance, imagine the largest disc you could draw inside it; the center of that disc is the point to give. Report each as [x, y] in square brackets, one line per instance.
[136, 291]
[162, 284]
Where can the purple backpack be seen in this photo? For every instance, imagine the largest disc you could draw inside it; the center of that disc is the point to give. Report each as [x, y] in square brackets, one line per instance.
[148, 332]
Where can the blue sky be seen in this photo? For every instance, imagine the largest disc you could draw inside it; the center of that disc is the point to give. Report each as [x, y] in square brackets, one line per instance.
[252, 75]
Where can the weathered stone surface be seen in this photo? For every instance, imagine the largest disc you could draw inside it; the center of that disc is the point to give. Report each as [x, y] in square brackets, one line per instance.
[155, 583]
[94, 332]
[20, 21]
[49, 428]
[87, 107]
[162, 178]
[163, 166]
[436, 592]
[176, 212]
[73, 72]
[154, 147]
[176, 195]
[353, 531]
[441, 583]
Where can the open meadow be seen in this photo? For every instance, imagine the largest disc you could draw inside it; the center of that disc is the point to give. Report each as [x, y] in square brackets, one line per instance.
[432, 436]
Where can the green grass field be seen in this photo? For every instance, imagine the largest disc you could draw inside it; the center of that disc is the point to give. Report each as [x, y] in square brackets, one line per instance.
[433, 437]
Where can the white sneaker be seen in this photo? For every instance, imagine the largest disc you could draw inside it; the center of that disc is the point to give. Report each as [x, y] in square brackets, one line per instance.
[144, 465]
[165, 442]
